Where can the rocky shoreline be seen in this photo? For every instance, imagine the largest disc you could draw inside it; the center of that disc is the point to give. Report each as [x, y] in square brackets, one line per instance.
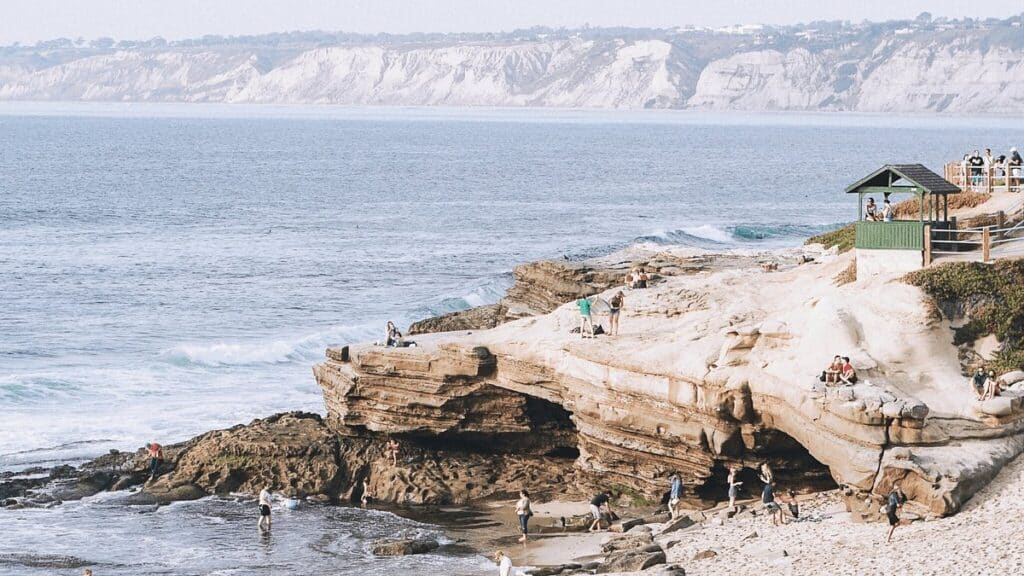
[502, 397]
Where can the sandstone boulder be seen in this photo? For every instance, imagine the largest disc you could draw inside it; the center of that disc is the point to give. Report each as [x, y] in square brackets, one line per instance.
[705, 555]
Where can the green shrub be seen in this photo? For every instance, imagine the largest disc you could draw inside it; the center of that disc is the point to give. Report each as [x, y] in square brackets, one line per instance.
[991, 296]
[842, 237]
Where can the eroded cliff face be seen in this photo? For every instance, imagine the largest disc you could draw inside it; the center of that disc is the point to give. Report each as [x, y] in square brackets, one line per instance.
[870, 68]
[710, 371]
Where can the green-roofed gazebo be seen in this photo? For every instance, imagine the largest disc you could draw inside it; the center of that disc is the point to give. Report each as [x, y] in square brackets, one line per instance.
[932, 192]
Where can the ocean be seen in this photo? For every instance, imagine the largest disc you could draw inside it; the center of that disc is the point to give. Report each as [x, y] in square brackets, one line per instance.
[170, 269]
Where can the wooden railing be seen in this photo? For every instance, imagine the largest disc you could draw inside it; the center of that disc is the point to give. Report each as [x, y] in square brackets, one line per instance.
[974, 244]
[988, 179]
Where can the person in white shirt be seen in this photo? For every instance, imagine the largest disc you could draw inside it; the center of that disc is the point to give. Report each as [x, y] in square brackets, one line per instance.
[887, 212]
[265, 501]
[504, 564]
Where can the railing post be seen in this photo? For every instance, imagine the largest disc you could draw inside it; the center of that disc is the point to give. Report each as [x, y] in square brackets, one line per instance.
[927, 245]
[1000, 224]
[986, 239]
[988, 178]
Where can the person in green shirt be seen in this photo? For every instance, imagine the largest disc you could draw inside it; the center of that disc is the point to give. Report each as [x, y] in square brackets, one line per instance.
[586, 323]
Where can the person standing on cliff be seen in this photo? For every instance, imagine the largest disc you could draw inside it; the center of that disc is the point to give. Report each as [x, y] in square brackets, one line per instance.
[524, 511]
[264, 504]
[675, 494]
[616, 304]
[156, 458]
[586, 323]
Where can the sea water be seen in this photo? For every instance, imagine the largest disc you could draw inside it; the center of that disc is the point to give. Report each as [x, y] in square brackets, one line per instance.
[169, 269]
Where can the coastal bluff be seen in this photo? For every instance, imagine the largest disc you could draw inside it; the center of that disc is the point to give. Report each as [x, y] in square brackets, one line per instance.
[715, 366]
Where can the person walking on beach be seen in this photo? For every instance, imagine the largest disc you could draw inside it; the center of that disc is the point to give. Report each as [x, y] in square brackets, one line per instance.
[615, 304]
[264, 503]
[156, 458]
[586, 323]
[602, 499]
[523, 511]
[733, 487]
[504, 564]
[675, 493]
[892, 506]
[392, 451]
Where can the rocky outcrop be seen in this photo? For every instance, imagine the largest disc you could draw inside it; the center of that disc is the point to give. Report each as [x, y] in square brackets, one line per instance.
[715, 370]
[292, 452]
[404, 547]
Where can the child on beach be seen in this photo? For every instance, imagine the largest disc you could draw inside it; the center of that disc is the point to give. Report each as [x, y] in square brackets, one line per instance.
[978, 382]
[523, 511]
[849, 375]
[733, 487]
[504, 564]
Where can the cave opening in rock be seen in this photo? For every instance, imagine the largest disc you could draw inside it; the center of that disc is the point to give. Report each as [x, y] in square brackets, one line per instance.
[551, 433]
[793, 466]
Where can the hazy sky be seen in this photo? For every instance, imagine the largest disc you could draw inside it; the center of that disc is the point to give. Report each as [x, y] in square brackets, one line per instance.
[28, 21]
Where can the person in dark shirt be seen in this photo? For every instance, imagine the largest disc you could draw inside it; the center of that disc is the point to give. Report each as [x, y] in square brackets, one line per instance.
[602, 499]
[892, 505]
[977, 164]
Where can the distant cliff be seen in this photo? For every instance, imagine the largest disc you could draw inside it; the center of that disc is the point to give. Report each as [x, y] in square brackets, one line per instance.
[918, 66]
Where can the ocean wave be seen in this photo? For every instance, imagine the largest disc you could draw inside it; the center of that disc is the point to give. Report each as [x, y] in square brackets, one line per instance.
[275, 351]
[724, 236]
[487, 291]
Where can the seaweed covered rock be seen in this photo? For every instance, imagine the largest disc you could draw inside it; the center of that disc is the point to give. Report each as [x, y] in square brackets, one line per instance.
[293, 452]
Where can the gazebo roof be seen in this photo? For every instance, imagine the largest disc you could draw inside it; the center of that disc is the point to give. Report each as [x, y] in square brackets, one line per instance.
[920, 180]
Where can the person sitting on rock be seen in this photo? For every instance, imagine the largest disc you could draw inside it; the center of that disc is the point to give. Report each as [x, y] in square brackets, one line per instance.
[392, 334]
[642, 279]
[675, 493]
[831, 374]
[849, 375]
[978, 383]
[992, 386]
[629, 280]
[601, 500]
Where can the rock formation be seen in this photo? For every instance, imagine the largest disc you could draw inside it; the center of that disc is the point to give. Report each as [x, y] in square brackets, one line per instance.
[712, 370]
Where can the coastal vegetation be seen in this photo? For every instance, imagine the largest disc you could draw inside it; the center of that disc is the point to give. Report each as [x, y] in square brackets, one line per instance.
[841, 237]
[989, 296]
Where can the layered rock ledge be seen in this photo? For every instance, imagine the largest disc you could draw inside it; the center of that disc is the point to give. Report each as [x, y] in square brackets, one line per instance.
[711, 369]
